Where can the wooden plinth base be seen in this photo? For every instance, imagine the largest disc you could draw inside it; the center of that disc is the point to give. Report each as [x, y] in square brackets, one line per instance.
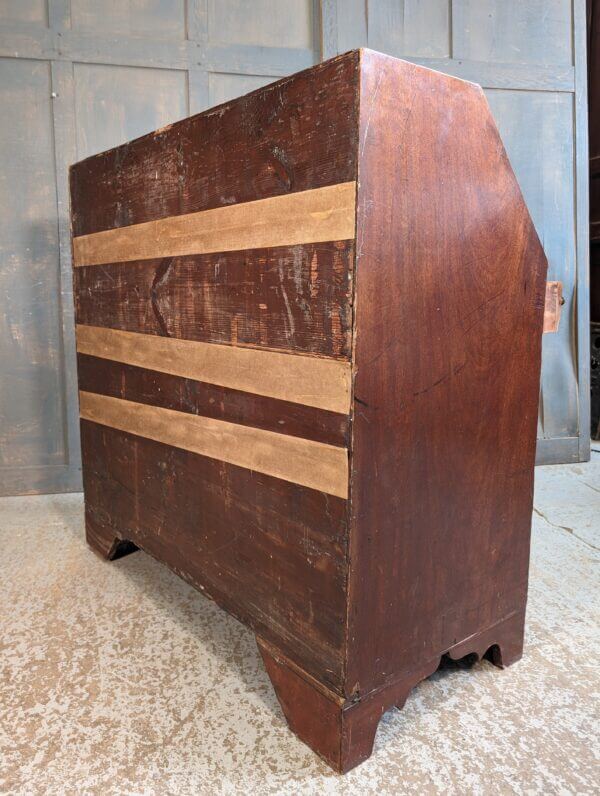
[501, 644]
[106, 545]
[342, 732]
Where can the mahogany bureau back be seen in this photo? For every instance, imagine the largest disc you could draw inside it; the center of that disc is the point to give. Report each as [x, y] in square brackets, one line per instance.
[308, 330]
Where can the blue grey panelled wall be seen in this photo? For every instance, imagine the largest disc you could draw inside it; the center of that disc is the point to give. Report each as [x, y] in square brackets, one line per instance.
[79, 76]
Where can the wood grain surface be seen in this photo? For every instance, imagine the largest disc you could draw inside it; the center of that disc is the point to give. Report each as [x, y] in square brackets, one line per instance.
[448, 322]
[301, 461]
[294, 135]
[106, 377]
[281, 569]
[296, 298]
[233, 399]
[257, 338]
[320, 214]
[312, 381]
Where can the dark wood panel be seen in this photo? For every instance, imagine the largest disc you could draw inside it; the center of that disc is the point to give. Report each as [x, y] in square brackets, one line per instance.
[294, 135]
[293, 297]
[449, 309]
[318, 215]
[272, 553]
[186, 395]
[308, 380]
[299, 461]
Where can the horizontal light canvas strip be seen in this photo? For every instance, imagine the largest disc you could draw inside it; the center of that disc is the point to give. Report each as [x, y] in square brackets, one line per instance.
[320, 214]
[312, 464]
[308, 380]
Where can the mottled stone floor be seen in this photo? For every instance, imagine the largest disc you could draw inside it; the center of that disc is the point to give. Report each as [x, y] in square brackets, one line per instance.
[117, 678]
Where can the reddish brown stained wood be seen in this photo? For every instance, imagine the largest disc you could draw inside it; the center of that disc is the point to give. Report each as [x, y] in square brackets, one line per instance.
[314, 216]
[131, 383]
[449, 306]
[294, 298]
[502, 643]
[291, 459]
[107, 544]
[354, 602]
[308, 380]
[342, 731]
[279, 569]
[294, 135]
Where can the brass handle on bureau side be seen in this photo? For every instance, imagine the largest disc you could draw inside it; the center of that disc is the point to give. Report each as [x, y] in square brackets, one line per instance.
[553, 306]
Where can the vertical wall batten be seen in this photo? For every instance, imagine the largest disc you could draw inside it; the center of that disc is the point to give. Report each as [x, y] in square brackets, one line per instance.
[65, 151]
[582, 337]
[197, 30]
[329, 29]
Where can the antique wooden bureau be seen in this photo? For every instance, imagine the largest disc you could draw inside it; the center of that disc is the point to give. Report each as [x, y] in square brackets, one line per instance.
[308, 329]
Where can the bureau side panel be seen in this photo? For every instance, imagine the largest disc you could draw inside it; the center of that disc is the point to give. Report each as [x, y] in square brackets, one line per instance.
[449, 306]
[213, 275]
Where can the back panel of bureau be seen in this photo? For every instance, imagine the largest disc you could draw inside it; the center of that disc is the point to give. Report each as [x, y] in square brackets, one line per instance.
[214, 356]
[309, 327]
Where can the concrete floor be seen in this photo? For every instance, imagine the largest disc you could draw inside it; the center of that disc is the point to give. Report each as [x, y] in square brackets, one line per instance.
[117, 678]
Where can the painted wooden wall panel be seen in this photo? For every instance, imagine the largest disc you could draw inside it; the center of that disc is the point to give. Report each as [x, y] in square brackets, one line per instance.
[223, 87]
[543, 162]
[117, 103]
[155, 18]
[351, 25]
[31, 394]
[410, 27]
[524, 32]
[267, 23]
[25, 11]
